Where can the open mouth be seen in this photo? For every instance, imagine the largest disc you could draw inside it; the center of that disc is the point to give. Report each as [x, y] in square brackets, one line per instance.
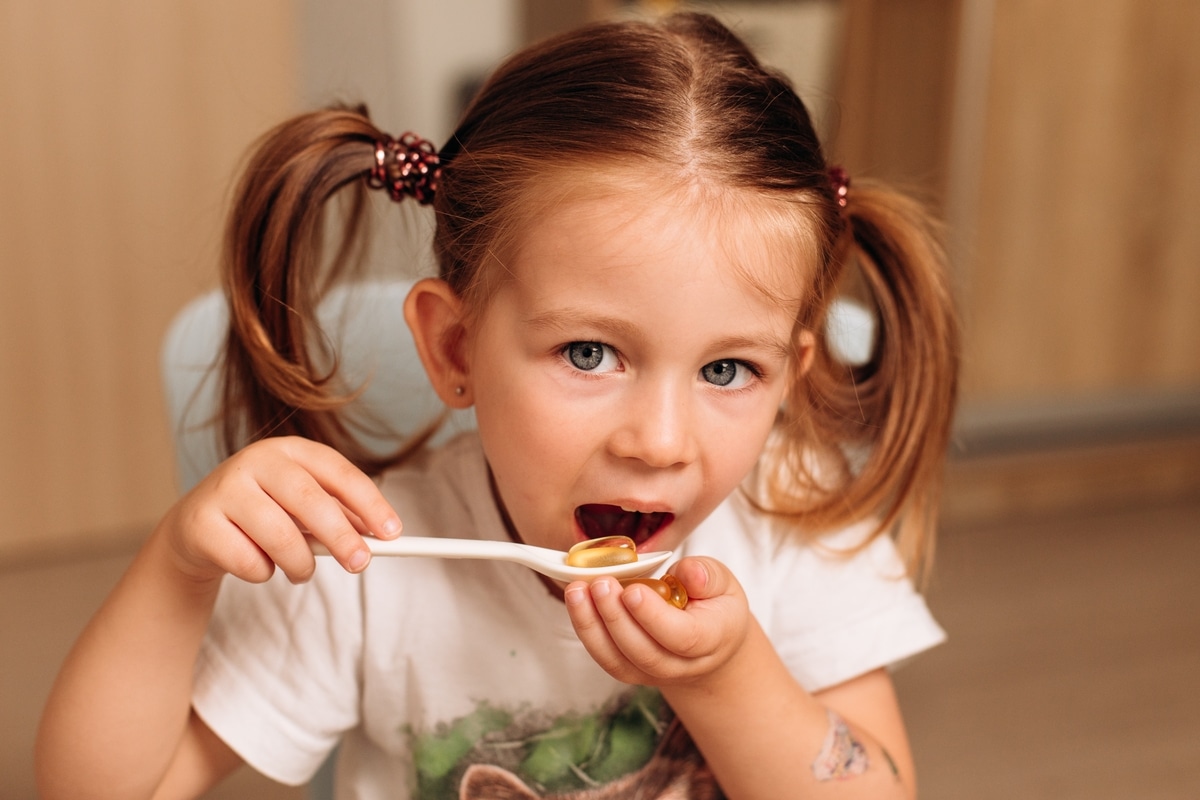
[597, 519]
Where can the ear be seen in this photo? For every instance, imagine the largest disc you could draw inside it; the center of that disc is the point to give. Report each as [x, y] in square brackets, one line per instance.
[806, 350]
[435, 315]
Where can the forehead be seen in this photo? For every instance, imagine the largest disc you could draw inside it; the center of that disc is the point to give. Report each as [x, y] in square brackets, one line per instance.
[766, 244]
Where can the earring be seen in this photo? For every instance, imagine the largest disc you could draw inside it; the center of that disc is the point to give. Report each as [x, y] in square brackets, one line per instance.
[458, 391]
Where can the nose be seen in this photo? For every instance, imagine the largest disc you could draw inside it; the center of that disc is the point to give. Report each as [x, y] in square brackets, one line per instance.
[658, 427]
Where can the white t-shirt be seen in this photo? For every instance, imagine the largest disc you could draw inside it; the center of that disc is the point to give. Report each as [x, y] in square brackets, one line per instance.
[421, 667]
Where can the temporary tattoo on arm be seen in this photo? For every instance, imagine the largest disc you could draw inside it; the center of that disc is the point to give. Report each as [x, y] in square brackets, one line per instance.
[842, 756]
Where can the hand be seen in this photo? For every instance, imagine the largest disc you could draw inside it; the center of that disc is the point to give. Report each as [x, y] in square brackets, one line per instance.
[637, 637]
[250, 514]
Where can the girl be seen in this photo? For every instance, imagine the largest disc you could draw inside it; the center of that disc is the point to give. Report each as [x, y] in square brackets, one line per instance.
[638, 239]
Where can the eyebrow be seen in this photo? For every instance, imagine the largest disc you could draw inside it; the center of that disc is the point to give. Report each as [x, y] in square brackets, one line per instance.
[565, 319]
[771, 346]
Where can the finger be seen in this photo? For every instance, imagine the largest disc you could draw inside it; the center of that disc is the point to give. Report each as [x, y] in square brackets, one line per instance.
[298, 495]
[329, 497]
[223, 545]
[637, 644]
[714, 598]
[673, 631]
[265, 524]
[246, 560]
[351, 517]
[594, 634]
[363, 528]
[702, 577]
[589, 627]
[354, 489]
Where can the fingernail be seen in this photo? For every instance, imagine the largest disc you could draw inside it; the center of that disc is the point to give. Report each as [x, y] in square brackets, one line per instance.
[575, 595]
[633, 596]
[358, 561]
[601, 588]
[390, 528]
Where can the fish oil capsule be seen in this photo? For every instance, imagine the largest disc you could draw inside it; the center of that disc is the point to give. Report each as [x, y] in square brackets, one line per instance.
[669, 588]
[607, 551]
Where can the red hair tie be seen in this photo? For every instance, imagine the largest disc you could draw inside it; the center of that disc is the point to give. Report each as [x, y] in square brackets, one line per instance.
[839, 180]
[406, 166]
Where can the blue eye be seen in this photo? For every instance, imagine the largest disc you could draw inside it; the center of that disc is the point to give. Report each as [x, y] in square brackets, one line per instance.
[726, 372]
[589, 356]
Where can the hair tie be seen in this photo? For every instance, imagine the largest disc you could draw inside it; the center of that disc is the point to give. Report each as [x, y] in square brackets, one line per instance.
[406, 166]
[839, 180]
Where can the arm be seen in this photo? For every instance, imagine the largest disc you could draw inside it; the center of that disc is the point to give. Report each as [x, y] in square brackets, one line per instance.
[758, 728]
[125, 687]
[118, 722]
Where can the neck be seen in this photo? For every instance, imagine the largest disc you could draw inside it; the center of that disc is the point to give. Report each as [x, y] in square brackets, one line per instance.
[555, 589]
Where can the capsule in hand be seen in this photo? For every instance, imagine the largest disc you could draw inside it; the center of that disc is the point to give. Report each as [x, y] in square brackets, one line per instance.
[669, 588]
[607, 551]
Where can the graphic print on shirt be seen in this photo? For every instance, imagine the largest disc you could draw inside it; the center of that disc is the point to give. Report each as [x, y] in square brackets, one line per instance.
[633, 747]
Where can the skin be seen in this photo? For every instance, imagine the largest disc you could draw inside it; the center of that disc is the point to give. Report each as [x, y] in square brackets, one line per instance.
[646, 428]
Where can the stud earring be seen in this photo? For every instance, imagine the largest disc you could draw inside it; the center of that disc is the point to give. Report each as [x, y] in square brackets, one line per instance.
[458, 391]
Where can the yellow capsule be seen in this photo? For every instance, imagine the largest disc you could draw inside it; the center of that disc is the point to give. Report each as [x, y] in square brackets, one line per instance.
[669, 588]
[607, 551]
[623, 542]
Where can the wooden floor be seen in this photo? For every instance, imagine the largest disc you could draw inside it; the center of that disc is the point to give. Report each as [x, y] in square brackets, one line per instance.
[42, 610]
[1072, 668]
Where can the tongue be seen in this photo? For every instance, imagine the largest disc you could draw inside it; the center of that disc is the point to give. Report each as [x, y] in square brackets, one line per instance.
[598, 520]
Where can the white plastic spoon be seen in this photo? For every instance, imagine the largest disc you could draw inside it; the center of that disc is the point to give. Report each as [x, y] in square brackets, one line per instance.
[552, 563]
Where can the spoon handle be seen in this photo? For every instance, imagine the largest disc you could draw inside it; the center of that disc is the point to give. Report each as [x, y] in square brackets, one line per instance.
[552, 563]
[437, 547]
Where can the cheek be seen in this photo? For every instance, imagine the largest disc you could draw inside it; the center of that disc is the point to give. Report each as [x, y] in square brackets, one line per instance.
[519, 392]
[741, 455]
[523, 427]
[736, 441]
[508, 394]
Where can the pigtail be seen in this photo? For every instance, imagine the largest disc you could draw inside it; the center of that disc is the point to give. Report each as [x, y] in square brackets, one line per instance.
[882, 428]
[280, 378]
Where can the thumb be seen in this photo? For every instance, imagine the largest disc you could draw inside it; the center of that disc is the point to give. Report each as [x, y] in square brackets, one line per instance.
[704, 577]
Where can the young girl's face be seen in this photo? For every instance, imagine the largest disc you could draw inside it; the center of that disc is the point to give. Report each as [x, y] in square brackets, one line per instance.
[627, 371]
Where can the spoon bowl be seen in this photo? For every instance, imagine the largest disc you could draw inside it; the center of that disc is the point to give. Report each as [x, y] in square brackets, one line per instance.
[551, 563]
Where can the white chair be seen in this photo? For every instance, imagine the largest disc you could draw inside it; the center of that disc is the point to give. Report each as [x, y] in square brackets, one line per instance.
[365, 322]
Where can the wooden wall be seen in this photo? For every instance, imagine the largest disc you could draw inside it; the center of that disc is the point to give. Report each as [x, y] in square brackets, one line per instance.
[1084, 275]
[1060, 141]
[121, 127]
[896, 93]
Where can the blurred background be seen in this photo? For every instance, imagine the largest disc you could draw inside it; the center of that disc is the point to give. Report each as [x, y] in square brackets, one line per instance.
[1058, 141]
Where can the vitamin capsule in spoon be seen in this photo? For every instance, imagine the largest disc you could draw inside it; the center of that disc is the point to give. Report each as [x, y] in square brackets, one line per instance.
[607, 551]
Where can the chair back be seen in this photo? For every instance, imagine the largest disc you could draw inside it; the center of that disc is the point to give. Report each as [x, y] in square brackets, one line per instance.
[365, 323]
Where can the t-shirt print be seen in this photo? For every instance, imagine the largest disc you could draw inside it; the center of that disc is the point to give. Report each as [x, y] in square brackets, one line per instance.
[633, 747]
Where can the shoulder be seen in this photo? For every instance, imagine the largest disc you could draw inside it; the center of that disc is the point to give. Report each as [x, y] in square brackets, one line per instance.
[835, 605]
[738, 532]
[441, 488]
